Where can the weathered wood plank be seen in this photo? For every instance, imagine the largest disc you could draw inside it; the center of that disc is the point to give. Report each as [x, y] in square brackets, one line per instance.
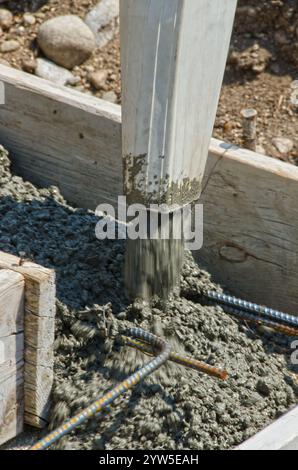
[11, 302]
[11, 406]
[11, 355]
[251, 224]
[12, 288]
[39, 328]
[39, 119]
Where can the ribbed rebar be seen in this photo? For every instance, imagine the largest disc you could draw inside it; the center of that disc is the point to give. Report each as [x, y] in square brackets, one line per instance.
[184, 361]
[263, 312]
[259, 320]
[164, 353]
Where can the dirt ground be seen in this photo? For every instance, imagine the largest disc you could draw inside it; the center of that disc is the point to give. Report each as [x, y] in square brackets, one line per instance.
[262, 66]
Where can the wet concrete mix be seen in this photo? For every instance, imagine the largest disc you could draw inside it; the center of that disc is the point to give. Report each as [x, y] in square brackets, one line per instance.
[175, 408]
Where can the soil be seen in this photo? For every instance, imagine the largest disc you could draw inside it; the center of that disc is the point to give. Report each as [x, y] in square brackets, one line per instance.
[262, 65]
[261, 69]
[175, 408]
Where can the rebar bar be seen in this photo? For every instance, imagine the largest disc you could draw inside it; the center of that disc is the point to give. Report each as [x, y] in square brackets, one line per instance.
[164, 353]
[184, 361]
[249, 123]
[261, 321]
[263, 312]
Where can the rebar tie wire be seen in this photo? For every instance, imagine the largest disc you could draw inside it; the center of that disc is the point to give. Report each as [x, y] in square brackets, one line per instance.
[120, 389]
[260, 312]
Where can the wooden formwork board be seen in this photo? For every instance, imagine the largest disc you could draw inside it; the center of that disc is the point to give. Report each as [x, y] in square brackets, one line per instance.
[12, 288]
[27, 330]
[62, 137]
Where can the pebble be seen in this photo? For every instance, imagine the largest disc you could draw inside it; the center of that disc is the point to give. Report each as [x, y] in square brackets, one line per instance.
[74, 80]
[20, 31]
[89, 68]
[9, 46]
[40, 15]
[4, 62]
[259, 68]
[66, 40]
[52, 72]
[29, 19]
[283, 145]
[260, 149]
[281, 38]
[6, 18]
[29, 65]
[98, 79]
[110, 96]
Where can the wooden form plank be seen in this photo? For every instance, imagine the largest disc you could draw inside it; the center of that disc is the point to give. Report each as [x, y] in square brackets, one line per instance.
[59, 136]
[12, 287]
[39, 325]
[11, 355]
[281, 435]
[12, 303]
[251, 226]
[251, 220]
[11, 407]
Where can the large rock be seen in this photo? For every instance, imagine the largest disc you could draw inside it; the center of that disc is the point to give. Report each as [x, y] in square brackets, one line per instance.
[9, 46]
[66, 40]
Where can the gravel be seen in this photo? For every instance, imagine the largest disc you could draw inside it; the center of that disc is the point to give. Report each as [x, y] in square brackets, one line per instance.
[175, 408]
